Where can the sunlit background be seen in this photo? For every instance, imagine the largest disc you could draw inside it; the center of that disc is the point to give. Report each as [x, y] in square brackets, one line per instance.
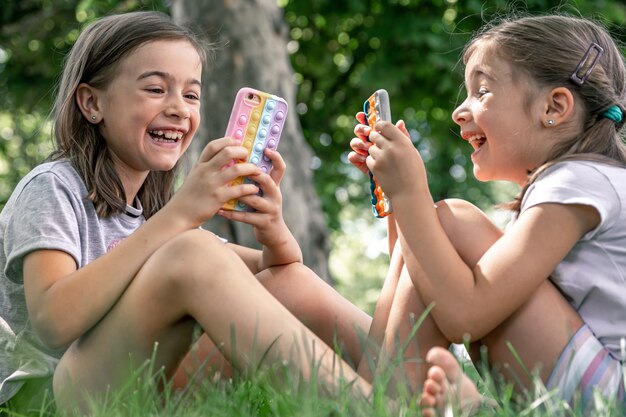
[341, 51]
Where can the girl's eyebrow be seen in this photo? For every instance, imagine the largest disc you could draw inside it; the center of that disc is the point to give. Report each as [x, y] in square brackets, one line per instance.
[165, 75]
[481, 72]
[477, 74]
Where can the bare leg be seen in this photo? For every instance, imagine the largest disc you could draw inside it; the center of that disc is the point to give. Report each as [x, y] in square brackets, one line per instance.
[203, 361]
[509, 352]
[406, 340]
[397, 310]
[537, 333]
[399, 305]
[320, 307]
[193, 278]
[536, 341]
[311, 300]
[369, 360]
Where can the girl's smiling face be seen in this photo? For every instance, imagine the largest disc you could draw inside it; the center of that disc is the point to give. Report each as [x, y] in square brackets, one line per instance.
[151, 109]
[501, 118]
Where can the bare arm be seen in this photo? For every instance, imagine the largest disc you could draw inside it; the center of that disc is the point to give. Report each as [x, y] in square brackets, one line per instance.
[471, 300]
[392, 233]
[476, 300]
[64, 302]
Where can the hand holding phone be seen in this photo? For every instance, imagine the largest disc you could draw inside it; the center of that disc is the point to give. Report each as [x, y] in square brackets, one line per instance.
[376, 108]
[256, 121]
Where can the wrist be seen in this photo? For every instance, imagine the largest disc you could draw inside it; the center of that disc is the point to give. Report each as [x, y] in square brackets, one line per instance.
[170, 219]
[411, 195]
[282, 252]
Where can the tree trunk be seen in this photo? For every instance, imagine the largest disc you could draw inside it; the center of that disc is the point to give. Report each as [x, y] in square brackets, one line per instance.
[250, 42]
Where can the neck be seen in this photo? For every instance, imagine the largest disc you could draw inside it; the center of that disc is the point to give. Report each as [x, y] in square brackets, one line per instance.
[132, 182]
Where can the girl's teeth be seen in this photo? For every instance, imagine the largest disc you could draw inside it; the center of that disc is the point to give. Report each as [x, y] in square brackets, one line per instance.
[167, 135]
[173, 135]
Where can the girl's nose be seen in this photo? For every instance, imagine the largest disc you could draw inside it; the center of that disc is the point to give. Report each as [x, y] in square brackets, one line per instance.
[178, 108]
[461, 114]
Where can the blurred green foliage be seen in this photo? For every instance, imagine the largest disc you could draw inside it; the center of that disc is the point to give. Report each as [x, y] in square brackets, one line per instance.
[342, 50]
[35, 35]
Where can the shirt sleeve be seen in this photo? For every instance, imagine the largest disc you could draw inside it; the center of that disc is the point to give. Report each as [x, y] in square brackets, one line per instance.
[576, 182]
[46, 216]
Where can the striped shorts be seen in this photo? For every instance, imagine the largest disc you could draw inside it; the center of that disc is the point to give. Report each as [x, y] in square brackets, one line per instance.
[586, 365]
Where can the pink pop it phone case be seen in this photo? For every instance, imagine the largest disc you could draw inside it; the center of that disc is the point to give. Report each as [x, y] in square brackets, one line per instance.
[256, 120]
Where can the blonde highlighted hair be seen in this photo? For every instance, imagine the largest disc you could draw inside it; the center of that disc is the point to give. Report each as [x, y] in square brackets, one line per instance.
[94, 59]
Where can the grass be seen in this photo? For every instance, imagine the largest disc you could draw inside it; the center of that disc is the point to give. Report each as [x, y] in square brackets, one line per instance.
[277, 390]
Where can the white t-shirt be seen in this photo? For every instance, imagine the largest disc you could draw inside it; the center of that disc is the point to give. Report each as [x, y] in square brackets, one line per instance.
[593, 274]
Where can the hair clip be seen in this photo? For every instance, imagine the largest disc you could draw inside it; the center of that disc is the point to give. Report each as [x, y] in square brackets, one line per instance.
[584, 65]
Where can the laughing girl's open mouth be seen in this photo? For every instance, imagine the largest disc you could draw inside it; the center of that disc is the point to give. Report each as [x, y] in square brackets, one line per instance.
[169, 136]
[477, 140]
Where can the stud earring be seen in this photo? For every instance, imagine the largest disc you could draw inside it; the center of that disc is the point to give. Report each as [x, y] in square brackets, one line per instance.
[550, 122]
[93, 117]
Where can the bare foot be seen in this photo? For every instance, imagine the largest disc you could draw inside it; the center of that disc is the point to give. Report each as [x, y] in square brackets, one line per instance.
[447, 386]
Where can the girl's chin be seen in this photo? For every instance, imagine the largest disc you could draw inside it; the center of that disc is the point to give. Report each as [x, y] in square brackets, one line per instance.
[481, 175]
[164, 166]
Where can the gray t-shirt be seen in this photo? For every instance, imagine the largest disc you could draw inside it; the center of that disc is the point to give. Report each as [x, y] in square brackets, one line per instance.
[592, 276]
[48, 209]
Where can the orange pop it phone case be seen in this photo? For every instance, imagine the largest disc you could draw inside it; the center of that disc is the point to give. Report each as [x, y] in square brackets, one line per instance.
[376, 108]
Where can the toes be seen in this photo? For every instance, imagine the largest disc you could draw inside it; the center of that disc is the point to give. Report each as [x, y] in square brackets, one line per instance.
[428, 403]
[431, 389]
[436, 375]
[446, 361]
[428, 412]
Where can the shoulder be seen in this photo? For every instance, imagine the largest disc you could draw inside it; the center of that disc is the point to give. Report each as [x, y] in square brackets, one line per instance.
[579, 177]
[52, 188]
[62, 170]
[580, 182]
[50, 177]
[581, 169]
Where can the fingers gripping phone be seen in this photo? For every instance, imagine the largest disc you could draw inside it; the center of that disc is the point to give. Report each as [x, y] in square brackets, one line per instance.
[256, 121]
[376, 108]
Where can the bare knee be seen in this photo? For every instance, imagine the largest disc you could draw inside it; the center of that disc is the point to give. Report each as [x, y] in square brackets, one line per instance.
[456, 214]
[468, 228]
[196, 257]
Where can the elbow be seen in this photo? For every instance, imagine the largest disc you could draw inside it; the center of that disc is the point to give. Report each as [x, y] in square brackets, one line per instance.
[50, 332]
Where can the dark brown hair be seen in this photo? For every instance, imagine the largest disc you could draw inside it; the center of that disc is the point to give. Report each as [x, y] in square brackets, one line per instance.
[94, 59]
[548, 49]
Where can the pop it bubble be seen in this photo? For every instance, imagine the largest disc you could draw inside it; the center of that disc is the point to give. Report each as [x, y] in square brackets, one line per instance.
[256, 121]
[376, 108]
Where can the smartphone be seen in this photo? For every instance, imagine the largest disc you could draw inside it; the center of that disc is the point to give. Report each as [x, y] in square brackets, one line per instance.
[256, 121]
[376, 108]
